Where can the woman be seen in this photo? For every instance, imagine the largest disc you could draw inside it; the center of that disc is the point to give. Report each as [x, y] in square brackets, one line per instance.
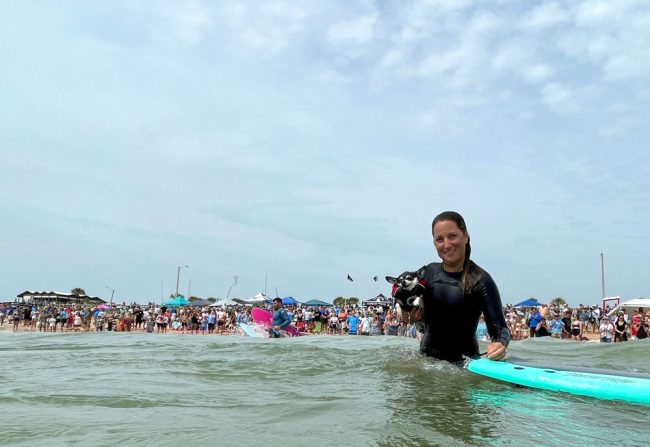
[636, 320]
[556, 328]
[576, 327]
[458, 288]
[541, 330]
[375, 326]
[620, 329]
[391, 323]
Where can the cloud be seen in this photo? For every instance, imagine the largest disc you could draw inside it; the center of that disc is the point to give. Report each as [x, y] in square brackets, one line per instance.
[267, 28]
[559, 97]
[188, 20]
[360, 30]
[543, 16]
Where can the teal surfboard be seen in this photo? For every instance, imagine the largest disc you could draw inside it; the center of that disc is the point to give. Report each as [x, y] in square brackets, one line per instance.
[634, 388]
[248, 330]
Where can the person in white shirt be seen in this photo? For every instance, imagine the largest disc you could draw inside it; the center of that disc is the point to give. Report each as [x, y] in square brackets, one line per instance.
[606, 330]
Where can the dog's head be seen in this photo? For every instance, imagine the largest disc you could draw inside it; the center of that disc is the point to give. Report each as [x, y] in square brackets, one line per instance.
[407, 287]
[407, 280]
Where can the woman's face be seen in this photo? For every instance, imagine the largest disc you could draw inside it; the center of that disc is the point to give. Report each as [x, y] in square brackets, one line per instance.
[450, 242]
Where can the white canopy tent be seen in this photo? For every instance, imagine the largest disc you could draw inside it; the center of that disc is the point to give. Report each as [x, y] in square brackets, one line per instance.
[222, 303]
[630, 305]
[257, 299]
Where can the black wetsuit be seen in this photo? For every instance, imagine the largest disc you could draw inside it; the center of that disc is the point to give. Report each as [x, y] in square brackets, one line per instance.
[451, 314]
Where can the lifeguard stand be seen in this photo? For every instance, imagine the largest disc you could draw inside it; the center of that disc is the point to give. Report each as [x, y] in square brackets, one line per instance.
[606, 300]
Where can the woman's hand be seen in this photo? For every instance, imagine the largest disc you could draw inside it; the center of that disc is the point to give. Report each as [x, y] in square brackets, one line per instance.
[496, 351]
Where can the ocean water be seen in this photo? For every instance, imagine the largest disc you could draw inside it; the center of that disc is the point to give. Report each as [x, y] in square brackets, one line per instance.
[135, 389]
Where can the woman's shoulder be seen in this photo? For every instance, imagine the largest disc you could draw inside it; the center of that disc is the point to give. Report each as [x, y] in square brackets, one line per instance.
[432, 268]
[478, 275]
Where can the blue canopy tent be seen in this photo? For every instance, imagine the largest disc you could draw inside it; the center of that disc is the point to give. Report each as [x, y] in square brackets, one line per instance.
[178, 301]
[289, 301]
[530, 302]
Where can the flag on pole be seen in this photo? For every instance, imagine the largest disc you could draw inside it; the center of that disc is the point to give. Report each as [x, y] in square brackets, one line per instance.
[350, 278]
[375, 278]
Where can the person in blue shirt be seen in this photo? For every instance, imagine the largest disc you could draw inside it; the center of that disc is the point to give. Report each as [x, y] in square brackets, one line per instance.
[352, 323]
[533, 320]
[280, 319]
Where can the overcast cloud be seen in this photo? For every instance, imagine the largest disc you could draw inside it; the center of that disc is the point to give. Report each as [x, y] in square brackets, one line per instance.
[305, 141]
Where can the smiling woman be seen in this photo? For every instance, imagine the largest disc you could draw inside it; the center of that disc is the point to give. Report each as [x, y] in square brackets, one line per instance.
[458, 287]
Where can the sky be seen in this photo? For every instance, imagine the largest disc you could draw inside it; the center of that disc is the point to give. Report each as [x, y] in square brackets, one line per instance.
[291, 144]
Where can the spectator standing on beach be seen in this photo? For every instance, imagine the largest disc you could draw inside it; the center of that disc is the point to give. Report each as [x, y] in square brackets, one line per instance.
[533, 320]
[458, 287]
[576, 327]
[391, 323]
[541, 330]
[375, 326]
[212, 321]
[352, 323]
[343, 316]
[16, 319]
[365, 324]
[636, 319]
[606, 329]
[620, 329]
[642, 330]
[556, 328]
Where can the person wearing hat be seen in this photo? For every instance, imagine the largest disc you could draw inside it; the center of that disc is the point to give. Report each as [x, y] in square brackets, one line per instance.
[606, 329]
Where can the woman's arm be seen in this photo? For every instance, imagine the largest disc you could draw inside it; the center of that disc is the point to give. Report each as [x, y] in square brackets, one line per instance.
[495, 321]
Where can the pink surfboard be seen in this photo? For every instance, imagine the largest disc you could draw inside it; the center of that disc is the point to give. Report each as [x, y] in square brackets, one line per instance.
[264, 317]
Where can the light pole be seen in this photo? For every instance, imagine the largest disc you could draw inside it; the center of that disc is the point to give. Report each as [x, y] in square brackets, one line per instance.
[178, 275]
[602, 275]
[112, 293]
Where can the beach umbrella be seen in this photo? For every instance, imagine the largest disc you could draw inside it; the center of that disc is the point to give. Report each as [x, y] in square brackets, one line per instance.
[103, 307]
[289, 301]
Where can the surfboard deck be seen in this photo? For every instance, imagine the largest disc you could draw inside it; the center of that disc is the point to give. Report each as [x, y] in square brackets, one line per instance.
[249, 331]
[600, 386]
[265, 317]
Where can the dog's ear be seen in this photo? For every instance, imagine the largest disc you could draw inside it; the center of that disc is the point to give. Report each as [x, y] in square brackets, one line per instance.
[420, 273]
[391, 280]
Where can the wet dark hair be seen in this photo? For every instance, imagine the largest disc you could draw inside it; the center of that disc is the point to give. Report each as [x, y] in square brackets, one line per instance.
[279, 300]
[453, 216]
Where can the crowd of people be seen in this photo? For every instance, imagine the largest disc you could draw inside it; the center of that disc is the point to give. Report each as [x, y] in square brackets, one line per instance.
[342, 320]
[565, 323]
[561, 322]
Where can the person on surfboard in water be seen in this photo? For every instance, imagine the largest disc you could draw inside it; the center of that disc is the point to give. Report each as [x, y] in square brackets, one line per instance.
[280, 319]
[457, 286]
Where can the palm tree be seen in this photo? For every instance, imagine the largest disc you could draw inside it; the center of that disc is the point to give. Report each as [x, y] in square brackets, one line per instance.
[342, 301]
[559, 301]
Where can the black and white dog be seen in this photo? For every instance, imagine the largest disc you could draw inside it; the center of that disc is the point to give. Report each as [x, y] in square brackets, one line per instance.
[407, 293]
